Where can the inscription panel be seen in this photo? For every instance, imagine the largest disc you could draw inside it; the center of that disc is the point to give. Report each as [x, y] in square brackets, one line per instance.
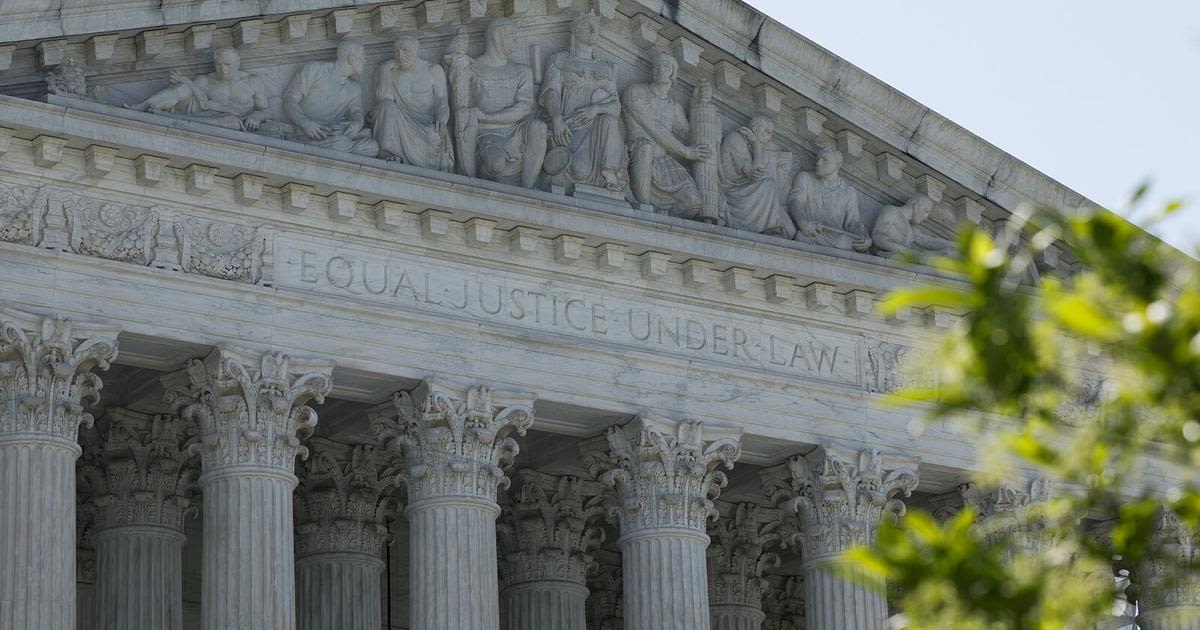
[595, 314]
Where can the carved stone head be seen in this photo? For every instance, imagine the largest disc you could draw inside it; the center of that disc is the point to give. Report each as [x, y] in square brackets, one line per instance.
[921, 206]
[352, 54]
[226, 62]
[763, 128]
[407, 49]
[502, 37]
[586, 29]
[665, 69]
[829, 161]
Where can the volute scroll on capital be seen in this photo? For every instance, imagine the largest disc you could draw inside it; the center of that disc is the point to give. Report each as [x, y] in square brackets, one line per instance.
[662, 473]
[251, 406]
[741, 551]
[46, 372]
[455, 441]
[550, 529]
[345, 498]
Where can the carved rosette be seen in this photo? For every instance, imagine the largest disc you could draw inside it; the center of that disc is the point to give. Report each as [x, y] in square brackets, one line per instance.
[739, 554]
[455, 442]
[549, 532]
[142, 475]
[783, 602]
[344, 502]
[664, 473]
[605, 602]
[45, 372]
[1171, 579]
[250, 406]
[839, 495]
[1007, 512]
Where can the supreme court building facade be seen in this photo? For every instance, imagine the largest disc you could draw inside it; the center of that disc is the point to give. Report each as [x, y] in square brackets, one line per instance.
[466, 315]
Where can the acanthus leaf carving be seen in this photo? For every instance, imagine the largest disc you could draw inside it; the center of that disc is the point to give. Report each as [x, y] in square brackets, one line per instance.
[46, 375]
[663, 473]
[839, 495]
[112, 230]
[455, 441]
[605, 602]
[550, 530]
[143, 475]
[21, 212]
[344, 500]
[224, 251]
[783, 602]
[251, 406]
[740, 553]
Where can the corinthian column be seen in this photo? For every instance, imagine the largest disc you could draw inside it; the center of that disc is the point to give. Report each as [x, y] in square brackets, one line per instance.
[839, 496]
[45, 379]
[547, 539]
[342, 509]
[141, 503]
[1169, 583]
[456, 444]
[1007, 514]
[663, 473]
[736, 560]
[250, 407]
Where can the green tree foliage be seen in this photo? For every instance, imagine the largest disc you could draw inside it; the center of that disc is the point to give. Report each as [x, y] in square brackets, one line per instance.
[1024, 368]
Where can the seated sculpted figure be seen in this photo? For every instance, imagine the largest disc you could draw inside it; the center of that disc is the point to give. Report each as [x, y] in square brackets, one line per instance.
[324, 103]
[228, 97]
[751, 193]
[499, 136]
[412, 116]
[895, 229]
[581, 98]
[825, 206]
[656, 122]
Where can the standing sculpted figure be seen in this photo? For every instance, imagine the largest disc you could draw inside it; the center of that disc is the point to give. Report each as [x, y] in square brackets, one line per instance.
[656, 121]
[412, 116]
[825, 206]
[324, 103]
[499, 137]
[751, 192]
[581, 98]
[895, 229]
[228, 97]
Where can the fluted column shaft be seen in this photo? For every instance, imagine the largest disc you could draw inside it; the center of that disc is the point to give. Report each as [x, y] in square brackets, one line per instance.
[46, 379]
[453, 557]
[547, 604]
[834, 603]
[731, 617]
[339, 591]
[37, 532]
[139, 581]
[249, 562]
[666, 580]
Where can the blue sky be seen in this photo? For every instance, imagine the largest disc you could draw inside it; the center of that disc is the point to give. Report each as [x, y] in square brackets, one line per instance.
[1098, 94]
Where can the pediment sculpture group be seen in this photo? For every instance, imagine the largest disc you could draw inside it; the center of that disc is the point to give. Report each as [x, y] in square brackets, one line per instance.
[485, 117]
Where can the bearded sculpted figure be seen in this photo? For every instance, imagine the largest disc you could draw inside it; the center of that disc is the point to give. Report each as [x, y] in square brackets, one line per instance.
[412, 117]
[580, 96]
[656, 124]
[896, 229]
[499, 137]
[324, 103]
[228, 97]
[751, 193]
[825, 206]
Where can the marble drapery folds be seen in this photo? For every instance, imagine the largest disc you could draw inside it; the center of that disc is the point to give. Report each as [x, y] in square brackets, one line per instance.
[411, 120]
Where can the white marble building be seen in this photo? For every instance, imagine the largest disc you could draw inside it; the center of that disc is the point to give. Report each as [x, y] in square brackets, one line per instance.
[464, 315]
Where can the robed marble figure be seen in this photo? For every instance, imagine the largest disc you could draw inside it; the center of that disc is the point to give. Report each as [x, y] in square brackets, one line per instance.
[751, 192]
[227, 97]
[499, 136]
[324, 103]
[656, 122]
[412, 114]
[896, 229]
[825, 206]
[581, 99]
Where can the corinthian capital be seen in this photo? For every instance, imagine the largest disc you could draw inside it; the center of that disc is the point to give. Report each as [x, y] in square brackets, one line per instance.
[343, 502]
[1170, 578]
[839, 495]
[1009, 510]
[250, 406]
[549, 532]
[783, 602]
[455, 441]
[141, 475]
[45, 372]
[740, 552]
[664, 472]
